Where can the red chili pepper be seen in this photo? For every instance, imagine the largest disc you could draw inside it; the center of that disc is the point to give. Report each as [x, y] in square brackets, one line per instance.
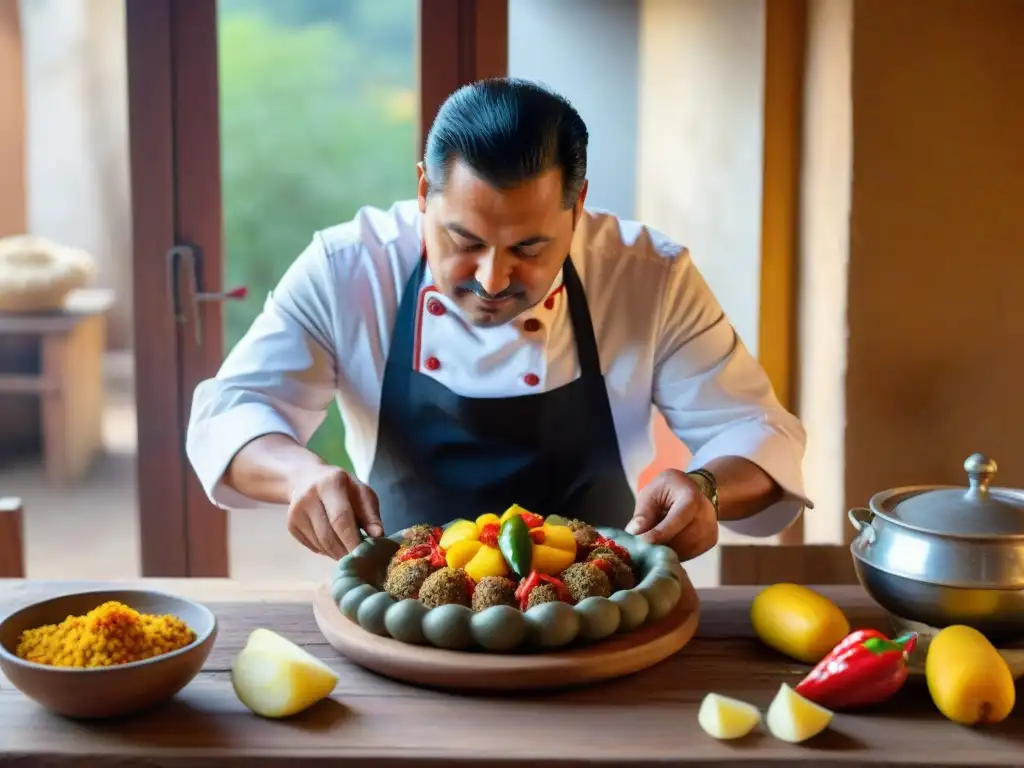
[532, 520]
[537, 536]
[618, 549]
[865, 668]
[604, 565]
[489, 535]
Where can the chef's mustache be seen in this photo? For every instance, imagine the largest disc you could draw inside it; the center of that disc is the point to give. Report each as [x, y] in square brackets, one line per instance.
[472, 286]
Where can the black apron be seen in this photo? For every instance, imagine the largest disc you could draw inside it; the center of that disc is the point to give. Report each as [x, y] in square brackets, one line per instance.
[441, 456]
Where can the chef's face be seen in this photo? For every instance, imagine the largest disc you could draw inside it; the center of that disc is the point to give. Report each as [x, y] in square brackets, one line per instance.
[496, 252]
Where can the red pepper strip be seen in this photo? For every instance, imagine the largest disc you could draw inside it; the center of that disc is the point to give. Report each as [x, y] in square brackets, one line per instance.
[413, 553]
[537, 536]
[526, 585]
[436, 534]
[618, 549]
[604, 565]
[534, 580]
[560, 589]
[437, 557]
[532, 520]
[431, 550]
[865, 668]
[489, 535]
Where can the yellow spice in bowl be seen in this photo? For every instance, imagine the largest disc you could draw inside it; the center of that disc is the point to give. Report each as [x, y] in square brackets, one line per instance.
[108, 635]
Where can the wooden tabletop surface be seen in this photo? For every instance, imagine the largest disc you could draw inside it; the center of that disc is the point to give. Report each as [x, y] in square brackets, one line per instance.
[646, 720]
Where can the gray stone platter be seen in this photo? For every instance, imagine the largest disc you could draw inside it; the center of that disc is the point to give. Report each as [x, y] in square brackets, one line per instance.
[357, 589]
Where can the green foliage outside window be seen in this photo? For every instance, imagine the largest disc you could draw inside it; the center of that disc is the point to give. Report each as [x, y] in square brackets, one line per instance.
[318, 107]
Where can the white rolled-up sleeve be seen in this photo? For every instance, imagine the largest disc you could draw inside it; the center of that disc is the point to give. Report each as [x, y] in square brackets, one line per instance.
[279, 378]
[717, 398]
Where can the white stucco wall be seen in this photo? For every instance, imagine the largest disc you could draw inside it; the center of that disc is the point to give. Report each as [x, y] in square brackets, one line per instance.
[701, 141]
[588, 51]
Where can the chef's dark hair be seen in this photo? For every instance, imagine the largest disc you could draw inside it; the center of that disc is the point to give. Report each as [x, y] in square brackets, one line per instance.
[508, 131]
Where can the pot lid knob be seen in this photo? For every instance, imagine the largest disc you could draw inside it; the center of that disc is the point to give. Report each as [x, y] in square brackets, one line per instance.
[980, 471]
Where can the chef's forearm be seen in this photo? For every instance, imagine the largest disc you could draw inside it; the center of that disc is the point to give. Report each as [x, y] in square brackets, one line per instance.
[264, 468]
[744, 489]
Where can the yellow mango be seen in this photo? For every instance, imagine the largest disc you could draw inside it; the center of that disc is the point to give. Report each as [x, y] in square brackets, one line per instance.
[486, 562]
[488, 519]
[559, 537]
[557, 551]
[550, 560]
[461, 552]
[460, 530]
[515, 509]
[798, 622]
[968, 679]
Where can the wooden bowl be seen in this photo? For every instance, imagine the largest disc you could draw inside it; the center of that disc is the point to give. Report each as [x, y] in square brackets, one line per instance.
[114, 691]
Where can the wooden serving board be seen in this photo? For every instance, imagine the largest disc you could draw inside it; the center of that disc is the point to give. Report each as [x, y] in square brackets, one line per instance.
[618, 656]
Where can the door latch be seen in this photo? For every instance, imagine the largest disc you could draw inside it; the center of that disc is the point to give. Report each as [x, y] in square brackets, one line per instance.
[189, 259]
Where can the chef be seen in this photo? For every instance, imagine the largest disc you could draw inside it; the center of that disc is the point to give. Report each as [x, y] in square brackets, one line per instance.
[495, 342]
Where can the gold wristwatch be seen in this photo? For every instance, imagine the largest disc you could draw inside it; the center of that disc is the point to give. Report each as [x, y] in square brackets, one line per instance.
[705, 480]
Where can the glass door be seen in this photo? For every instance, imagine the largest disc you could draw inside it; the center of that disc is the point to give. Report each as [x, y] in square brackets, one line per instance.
[318, 109]
[287, 117]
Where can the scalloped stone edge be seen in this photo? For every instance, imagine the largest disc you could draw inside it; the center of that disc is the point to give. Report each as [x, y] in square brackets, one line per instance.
[357, 590]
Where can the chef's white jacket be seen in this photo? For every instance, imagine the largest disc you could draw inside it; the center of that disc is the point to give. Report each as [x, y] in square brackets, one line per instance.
[663, 340]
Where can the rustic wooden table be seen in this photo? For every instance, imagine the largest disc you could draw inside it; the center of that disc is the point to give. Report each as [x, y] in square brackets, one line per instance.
[649, 719]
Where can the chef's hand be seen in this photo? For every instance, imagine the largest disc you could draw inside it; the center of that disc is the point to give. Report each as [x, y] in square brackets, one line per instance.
[671, 510]
[327, 509]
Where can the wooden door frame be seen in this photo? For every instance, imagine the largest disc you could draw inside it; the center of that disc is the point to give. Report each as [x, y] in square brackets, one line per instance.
[176, 200]
[161, 459]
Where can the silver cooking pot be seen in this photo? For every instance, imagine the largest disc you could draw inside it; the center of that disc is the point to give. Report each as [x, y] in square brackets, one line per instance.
[942, 555]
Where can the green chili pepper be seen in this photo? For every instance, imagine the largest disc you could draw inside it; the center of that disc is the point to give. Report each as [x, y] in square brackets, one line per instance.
[515, 545]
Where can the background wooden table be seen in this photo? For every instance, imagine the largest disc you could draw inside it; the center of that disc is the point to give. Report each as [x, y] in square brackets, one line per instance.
[57, 357]
[646, 720]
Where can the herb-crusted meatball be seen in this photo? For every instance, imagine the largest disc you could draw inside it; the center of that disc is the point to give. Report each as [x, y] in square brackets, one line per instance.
[418, 534]
[584, 534]
[446, 586]
[608, 546]
[542, 593]
[494, 590]
[585, 580]
[621, 575]
[405, 579]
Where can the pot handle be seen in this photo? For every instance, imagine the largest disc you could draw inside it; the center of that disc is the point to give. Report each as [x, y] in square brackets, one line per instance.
[860, 518]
